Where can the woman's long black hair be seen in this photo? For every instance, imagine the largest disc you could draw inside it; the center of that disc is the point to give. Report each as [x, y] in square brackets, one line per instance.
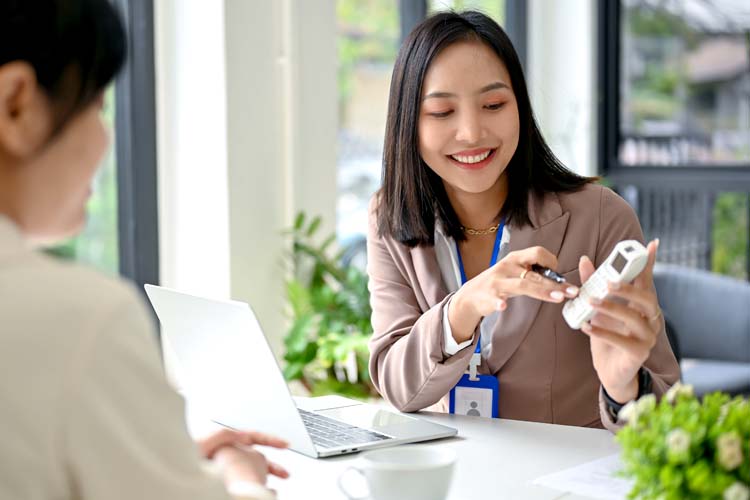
[412, 194]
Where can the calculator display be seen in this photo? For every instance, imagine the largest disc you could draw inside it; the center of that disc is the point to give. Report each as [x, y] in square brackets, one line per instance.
[619, 263]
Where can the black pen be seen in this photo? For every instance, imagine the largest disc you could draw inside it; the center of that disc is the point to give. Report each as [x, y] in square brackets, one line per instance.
[547, 273]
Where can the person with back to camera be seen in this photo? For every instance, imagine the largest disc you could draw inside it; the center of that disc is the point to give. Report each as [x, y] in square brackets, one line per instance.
[471, 199]
[86, 410]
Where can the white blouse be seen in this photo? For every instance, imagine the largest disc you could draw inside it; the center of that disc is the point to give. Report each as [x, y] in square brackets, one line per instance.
[447, 257]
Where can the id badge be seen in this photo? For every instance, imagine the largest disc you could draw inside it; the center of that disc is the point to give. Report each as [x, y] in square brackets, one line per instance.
[478, 397]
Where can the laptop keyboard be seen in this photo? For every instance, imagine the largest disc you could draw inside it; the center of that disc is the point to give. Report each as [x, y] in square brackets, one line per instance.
[329, 433]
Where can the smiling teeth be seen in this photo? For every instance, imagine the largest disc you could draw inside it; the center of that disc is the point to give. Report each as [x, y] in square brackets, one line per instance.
[472, 159]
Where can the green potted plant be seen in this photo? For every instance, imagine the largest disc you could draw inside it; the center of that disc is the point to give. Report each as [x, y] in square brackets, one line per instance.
[683, 447]
[326, 344]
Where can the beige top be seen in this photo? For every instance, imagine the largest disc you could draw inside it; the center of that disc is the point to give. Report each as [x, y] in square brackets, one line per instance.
[544, 367]
[86, 411]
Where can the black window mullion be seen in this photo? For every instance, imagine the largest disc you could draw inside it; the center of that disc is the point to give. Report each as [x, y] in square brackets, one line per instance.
[608, 96]
[516, 26]
[411, 13]
[135, 138]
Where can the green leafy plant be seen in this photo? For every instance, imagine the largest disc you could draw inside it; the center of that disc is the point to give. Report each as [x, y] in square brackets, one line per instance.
[326, 345]
[682, 447]
[730, 235]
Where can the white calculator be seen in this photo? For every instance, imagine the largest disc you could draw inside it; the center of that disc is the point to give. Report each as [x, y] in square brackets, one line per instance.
[626, 261]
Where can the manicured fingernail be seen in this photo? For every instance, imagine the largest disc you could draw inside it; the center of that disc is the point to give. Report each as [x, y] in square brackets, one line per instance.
[572, 291]
[657, 242]
[613, 285]
[594, 301]
[557, 295]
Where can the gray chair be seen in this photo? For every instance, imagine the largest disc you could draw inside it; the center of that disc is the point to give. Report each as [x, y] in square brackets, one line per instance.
[709, 315]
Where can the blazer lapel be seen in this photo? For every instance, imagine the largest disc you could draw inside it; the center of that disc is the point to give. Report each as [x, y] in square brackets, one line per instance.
[429, 277]
[548, 226]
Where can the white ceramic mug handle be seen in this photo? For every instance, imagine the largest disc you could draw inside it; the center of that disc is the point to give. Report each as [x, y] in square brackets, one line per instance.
[344, 490]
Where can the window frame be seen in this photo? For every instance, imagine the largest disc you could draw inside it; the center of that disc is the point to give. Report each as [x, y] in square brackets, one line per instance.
[135, 139]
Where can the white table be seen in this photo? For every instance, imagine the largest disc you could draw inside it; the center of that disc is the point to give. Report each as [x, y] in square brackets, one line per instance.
[496, 459]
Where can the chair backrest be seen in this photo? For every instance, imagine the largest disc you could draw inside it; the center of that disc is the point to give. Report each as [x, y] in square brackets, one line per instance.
[710, 313]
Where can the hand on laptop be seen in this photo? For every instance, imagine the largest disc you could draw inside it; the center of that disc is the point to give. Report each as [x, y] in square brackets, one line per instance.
[227, 437]
[247, 465]
[242, 463]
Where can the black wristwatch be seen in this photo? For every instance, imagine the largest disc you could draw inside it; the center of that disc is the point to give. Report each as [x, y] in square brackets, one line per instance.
[644, 387]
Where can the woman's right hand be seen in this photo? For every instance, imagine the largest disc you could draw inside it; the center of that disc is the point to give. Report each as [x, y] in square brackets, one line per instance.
[489, 291]
[241, 462]
[247, 465]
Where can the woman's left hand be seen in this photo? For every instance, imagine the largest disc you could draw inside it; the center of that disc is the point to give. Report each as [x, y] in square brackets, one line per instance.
[623, 333]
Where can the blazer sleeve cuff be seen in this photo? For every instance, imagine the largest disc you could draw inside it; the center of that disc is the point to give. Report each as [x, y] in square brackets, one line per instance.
[609, 421]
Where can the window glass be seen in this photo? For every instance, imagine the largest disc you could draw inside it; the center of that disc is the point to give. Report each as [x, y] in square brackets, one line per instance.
[368, 40]
[685, 82]
[97, 245]
[729, 249]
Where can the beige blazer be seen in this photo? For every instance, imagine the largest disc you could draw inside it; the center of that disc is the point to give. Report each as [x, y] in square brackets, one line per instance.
[544, 367]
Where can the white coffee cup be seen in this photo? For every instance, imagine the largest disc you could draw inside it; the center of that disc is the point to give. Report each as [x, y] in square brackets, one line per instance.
[414, 472]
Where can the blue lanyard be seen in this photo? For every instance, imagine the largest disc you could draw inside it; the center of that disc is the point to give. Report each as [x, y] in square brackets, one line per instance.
[493, 261]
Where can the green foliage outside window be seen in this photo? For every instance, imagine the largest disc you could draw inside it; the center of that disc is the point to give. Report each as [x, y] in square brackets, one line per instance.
[645, 21]
[326, 345]
[493, 8]
[97, 245]
[368, 34]
[730, 237]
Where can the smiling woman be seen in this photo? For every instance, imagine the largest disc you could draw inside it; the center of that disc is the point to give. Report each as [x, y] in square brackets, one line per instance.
[473, 201]
[433, 98]
[471, 126]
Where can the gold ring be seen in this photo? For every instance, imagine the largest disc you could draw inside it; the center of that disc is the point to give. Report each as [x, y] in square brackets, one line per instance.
[655, 317]
[523, 273]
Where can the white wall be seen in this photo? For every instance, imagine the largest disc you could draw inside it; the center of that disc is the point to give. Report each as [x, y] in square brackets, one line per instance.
[192, 146]
[562, 78]
[282, 95]
[247, 137]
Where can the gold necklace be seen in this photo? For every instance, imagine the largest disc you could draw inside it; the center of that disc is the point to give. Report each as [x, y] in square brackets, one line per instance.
[480, 232]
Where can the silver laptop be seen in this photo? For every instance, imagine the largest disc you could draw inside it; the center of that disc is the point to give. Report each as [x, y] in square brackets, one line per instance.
[229, 373]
